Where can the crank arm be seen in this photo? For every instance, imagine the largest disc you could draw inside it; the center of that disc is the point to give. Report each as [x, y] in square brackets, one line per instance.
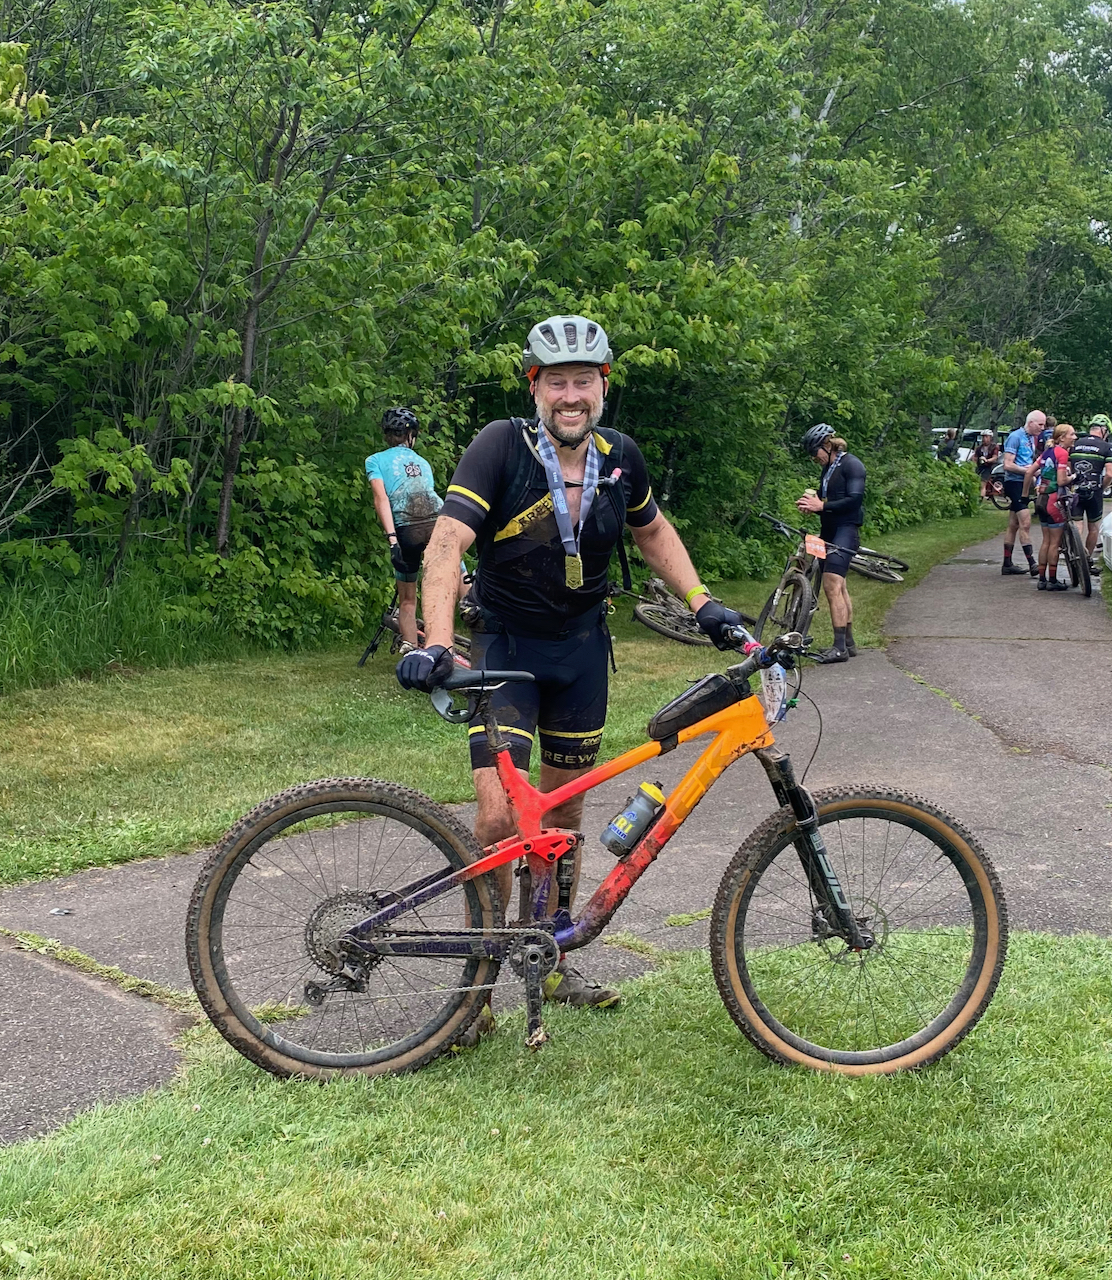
[534, 998]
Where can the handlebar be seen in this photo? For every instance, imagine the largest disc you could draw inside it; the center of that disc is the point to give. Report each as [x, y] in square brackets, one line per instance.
[781, 527]
[783, 647]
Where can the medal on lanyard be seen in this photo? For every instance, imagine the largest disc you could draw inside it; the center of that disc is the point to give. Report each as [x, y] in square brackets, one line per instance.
[573, 561]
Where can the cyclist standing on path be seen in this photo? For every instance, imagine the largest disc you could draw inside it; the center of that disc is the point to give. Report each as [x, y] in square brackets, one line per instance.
[406, 504]
[1019, 466]
[1091, 462]
[840, 506]
[545, 502]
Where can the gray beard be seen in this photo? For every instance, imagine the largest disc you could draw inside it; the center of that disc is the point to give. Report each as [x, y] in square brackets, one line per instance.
[569, 439]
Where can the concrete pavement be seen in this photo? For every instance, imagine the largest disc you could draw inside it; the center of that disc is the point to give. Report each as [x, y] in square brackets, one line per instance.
[963, 709]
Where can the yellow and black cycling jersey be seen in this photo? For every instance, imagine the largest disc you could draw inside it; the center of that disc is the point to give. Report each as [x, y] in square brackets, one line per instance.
[500, 490]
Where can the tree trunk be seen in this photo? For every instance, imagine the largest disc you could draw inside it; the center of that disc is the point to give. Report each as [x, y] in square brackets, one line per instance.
[234, 445]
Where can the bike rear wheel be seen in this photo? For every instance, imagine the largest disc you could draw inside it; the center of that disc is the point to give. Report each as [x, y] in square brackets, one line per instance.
[789, 608]
[289, 879]
[917, 880]
[1076, 560]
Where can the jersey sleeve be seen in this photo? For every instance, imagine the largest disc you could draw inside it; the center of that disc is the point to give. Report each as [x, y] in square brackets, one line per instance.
[641, 507]
[478, 478]
[374, 471]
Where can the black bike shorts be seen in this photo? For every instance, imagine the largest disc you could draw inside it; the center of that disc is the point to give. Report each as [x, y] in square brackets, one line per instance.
[837, 560]
[566, 706]
[413, 539]
[1013, 491]
[1090, 504]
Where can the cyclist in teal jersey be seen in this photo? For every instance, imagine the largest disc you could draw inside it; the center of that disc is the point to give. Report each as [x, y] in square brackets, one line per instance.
[406, 504]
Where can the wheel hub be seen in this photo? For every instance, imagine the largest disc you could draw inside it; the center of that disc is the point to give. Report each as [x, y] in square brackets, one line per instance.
[873, 920]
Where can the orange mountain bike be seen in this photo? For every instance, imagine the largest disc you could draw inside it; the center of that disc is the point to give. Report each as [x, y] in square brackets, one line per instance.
[352, 926]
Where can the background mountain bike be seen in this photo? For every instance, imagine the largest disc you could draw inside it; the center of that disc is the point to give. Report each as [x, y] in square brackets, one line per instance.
[388, 626]
[795, 598]
[665, 613]
[354, 926]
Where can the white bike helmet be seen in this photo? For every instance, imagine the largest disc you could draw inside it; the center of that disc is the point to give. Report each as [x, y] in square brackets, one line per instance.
[566, 340]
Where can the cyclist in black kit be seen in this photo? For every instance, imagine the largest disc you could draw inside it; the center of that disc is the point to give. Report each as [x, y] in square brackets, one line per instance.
[840, 506]
[545, 501]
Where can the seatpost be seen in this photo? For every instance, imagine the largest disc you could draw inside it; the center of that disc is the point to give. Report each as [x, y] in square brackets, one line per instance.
[490, 723]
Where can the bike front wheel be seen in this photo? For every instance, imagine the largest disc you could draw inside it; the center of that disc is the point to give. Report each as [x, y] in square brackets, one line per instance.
[916, 880]
[789, 608]
[287, 881]
[876, 565]
[676, 622]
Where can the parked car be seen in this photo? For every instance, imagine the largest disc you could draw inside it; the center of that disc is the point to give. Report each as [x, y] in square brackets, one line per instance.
[968, 440]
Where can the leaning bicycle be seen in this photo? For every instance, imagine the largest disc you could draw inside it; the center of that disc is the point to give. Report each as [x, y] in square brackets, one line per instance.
[795, 599]
[354, 926]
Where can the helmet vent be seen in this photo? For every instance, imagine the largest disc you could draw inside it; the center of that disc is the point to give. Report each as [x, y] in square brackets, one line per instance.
[549, 335]
[571, 336]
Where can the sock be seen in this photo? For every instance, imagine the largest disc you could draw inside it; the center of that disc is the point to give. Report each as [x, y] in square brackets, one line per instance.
[839, 637]
[1029, 553]
[1008, 552]
[1042, 572]
[849, 635]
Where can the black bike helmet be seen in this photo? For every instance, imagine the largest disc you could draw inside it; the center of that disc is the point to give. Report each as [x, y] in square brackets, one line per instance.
[400, 422]
[814, 439]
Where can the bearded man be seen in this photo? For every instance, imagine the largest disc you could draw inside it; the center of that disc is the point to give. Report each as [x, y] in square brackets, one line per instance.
[545, 501]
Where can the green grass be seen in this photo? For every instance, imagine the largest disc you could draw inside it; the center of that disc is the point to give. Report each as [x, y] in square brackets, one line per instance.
[52, 629]
[648, 1143]
[95, 772]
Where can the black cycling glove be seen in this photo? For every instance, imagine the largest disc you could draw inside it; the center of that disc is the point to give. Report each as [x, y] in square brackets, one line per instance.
[714, 618]
[397, 558]
[424, 669]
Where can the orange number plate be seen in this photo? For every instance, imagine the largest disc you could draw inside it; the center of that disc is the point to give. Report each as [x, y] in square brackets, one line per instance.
[814, 546]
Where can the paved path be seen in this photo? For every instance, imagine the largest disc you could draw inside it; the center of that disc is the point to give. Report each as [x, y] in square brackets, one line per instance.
[1039, 798]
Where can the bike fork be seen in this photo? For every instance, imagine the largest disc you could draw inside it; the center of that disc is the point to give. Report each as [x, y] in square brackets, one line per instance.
[826, 888]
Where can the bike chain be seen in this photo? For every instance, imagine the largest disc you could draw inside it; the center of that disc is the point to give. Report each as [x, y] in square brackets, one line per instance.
[534, 933]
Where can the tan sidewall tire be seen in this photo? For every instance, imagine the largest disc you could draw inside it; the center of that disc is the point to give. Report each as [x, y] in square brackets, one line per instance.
[732, 891]
[277, 810]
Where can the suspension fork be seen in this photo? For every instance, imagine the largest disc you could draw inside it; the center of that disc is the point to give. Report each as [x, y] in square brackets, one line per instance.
[823, 880]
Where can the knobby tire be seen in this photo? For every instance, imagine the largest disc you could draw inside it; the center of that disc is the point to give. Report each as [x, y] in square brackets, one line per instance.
[674, 623]
[911, 874]
[1076, 560]
[292, 876]
[789, 608]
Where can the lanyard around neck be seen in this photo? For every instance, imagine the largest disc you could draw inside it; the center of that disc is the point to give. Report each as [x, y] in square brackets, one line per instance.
[569, 536]
[828, 473]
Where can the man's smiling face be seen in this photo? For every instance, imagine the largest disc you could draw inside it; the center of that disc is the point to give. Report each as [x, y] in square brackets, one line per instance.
[569, 400]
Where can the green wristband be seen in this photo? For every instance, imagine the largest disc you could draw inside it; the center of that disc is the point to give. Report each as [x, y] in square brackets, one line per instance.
[695, 591]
